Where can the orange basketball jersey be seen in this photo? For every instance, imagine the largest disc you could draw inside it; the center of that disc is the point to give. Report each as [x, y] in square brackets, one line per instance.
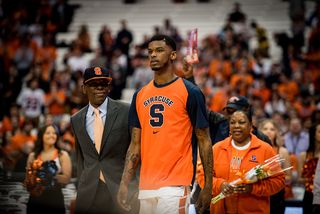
[167, 115]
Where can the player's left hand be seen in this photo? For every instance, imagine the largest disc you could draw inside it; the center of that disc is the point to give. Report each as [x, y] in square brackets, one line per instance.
[204, 200]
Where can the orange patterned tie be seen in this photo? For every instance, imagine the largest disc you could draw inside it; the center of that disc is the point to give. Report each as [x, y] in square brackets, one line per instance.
[97, 133]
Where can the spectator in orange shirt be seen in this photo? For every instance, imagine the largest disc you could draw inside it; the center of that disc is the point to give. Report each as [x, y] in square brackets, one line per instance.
[287, 89]
[46, 57]
[55, 101]
[241, 79]
[19, 139]
[220, 65]
[263, 91]
[220, 97]
[6, 122]
[244, 57]
[306, 107]
[12, 45]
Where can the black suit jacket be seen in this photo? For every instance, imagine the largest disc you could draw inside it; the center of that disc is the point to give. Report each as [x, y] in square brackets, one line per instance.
[115, 142]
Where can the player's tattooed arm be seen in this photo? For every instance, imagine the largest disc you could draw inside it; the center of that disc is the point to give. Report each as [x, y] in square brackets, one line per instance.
[205, 150]
[133, 156]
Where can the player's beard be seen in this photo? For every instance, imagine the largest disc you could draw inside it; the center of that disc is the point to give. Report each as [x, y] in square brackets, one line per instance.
[164, 65]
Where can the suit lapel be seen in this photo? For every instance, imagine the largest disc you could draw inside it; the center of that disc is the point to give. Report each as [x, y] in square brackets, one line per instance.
[82, 126]
[110, 120]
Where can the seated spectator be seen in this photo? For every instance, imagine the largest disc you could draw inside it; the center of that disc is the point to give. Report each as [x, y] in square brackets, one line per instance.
[55, 101]
[44, 80]
[11, 87]
[5, 155]
[272, 78]
[48, 119]
[78, 99]
[84, 39]
[65, 82]
[31, 99]
[279, 119]
[167, 28]
[142, 75]
[118, 67]
[107, 42]
[99, 59]
[77, 62]
[260, 69]
[261, 90]
[241, 79]
[18, 140]
[244, 58]
[21, 162]
[220, 96]
[220, 65]
[46, 57]
[296, 140]
[306, 107]
[275, 104]
[23, 58]
[287, 89]
[306, 123]
[8, 120]
[316, 116]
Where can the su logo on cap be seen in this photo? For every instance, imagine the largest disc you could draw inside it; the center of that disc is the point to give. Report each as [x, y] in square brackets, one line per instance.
[233, 99]
[97, 71]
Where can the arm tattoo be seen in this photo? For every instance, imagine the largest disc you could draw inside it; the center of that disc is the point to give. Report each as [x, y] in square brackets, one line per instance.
[205, 150]
[132, 158]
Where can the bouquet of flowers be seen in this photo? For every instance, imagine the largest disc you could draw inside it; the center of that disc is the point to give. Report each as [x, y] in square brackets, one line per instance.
[268, 168]
[40, 176]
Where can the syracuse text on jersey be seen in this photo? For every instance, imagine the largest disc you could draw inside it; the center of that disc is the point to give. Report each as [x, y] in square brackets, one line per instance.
[159, 98]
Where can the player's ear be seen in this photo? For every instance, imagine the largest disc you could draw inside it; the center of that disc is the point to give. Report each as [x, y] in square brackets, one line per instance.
[83, 89]
[173, 55]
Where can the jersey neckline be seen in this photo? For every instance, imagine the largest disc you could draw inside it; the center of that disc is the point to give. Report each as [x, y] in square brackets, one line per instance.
[161, 86]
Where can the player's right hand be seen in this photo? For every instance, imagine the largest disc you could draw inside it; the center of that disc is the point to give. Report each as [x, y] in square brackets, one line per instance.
[122, 197]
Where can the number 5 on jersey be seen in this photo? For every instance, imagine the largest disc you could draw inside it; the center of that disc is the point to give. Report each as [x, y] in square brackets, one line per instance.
[156, 115]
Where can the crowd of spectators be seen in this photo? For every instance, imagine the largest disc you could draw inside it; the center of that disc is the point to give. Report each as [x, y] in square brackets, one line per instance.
[33, 92]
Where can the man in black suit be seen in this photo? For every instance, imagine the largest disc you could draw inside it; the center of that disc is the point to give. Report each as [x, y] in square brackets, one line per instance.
[99, 170]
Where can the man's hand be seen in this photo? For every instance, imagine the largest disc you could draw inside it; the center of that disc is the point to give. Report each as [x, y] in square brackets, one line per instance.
[204, 200]
[187, 69]
[122, 197]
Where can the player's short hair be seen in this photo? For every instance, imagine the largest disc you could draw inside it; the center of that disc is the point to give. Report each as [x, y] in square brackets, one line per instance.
[167, 39]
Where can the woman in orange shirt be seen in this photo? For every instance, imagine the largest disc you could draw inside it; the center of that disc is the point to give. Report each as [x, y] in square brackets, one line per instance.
[241, 151]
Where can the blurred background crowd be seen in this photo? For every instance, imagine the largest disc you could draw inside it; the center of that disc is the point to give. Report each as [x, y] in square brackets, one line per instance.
[34, 90]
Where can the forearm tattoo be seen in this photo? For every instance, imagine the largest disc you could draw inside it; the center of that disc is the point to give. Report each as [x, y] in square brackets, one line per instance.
[132, 158]
[205, 150]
